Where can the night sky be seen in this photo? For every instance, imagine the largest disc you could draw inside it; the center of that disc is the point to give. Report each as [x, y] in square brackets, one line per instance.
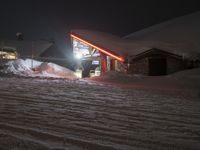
[45, 19]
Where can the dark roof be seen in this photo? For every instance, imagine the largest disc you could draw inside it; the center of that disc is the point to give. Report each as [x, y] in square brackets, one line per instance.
[153, 52]
[26, 48]
[53, 52]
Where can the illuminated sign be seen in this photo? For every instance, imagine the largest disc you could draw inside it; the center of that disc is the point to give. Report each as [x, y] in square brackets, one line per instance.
[95, 62]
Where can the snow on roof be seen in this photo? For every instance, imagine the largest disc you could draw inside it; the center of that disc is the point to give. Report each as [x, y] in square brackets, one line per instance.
[110, 42]
[180, 36]
[26, 48]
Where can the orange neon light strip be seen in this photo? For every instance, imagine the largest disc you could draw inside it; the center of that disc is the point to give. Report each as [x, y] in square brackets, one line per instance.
[98, 48]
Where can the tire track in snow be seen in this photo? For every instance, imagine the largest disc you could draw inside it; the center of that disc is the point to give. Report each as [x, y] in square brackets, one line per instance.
[142, 114]
[26, 99]
[39, 135]
[132, 126]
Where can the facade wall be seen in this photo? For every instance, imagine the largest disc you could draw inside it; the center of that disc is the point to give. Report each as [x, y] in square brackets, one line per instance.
[174, 65]
[142, 66]
[139, 67]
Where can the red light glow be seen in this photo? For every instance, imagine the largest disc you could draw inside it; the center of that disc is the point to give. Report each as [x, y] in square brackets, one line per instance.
[98, 48]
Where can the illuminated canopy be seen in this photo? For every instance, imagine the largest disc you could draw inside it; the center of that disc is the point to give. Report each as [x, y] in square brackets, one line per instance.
[98, 48]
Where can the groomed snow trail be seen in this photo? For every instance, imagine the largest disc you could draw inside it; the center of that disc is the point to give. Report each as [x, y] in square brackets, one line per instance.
[74, 115]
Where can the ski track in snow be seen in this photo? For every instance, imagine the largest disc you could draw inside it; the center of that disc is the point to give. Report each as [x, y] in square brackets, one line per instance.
[79, 114]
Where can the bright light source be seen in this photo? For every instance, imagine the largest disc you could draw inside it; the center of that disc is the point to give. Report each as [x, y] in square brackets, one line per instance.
[78, 73]
[78, 55]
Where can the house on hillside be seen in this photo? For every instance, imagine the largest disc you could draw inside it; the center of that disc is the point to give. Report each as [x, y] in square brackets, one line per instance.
[159, 50]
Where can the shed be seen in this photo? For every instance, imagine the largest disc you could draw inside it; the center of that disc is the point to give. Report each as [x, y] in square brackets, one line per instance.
[155, 62]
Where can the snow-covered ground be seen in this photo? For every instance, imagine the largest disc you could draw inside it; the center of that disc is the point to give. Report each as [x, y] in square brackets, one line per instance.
[43, 114]
[188, 80]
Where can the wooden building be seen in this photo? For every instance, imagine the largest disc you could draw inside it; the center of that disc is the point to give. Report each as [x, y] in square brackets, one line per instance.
[155, 62]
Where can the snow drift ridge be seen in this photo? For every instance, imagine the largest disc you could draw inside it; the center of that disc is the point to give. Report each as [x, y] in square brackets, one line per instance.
[33, 68]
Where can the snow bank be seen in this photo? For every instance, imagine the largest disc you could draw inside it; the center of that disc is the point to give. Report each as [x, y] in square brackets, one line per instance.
[191, 73]
[54, 69]
[188, 79]
[20, 66]
[119, 77]
[33, 68]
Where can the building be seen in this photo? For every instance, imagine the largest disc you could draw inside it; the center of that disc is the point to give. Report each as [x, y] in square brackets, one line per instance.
[94, 53]
[41, 50]
[155, 62]
[158, 50]
[8, 54]
[24, 48]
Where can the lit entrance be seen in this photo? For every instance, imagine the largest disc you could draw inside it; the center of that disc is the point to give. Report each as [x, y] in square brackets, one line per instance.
[92, 60]
[157, 66]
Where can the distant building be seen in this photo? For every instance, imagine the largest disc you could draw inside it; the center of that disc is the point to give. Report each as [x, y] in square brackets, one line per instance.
[159, 50]
[24, 48]
[40, 50]
[8, 53]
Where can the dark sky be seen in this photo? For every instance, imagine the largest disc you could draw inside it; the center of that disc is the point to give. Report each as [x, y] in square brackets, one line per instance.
[45, 19]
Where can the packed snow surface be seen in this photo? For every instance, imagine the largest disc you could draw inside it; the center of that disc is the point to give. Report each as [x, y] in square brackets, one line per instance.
[33, 68]
[155, 113]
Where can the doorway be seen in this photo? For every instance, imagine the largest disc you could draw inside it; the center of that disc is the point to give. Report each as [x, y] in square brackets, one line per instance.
[157, 66]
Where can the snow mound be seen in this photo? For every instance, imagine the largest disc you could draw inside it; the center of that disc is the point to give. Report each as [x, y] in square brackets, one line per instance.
[33, 68]
[187, 79]
[20, 66]
[16, 67]
[51, 68]
[189, 74]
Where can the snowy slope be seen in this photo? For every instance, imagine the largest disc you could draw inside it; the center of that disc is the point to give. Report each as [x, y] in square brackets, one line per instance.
[180, 35]
[175, 29]
[33, 68]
